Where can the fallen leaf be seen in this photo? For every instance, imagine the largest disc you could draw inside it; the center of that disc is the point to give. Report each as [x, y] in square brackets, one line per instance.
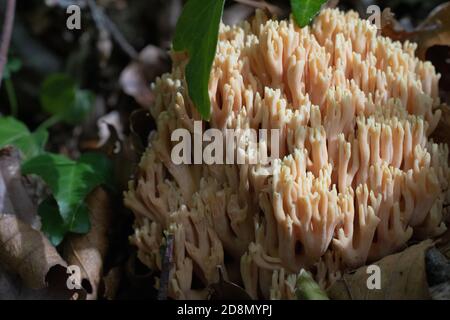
[111, 283]
[434, 30]
[111, 119]
[30, 267]
[391, 28]
[13, 288]
[26, 251]
[441, 291]
[403, 276]
[135, 79]
[14, 197]
[88, 251]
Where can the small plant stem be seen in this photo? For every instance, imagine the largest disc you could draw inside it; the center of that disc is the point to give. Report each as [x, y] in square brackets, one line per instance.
[12, 98]
[50, 122]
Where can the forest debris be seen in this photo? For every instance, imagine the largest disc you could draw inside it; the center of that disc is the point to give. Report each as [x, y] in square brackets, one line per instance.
[307, 288]
[27, 252]
[167, 19]
[141, 125]
[442, 132]
[166, 268]
[438, 267]
[13, 288]
[136, 77]
[226, 290]
[403, 276]
[88, 251]
[434, 30]
[103, 123]
[111, 282]
[236, 13]
[441, 291]
[123, 154]
[14, 197]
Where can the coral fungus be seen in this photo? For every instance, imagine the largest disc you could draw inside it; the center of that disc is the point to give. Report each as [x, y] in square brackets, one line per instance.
[357, 175]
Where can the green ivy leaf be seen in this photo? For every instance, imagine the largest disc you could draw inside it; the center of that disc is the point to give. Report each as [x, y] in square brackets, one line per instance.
[197, 33]
[60, 96]
[13, 65]
[15, 133]
[305, 10]
[70, 182]
[52, 223]
[103, 166]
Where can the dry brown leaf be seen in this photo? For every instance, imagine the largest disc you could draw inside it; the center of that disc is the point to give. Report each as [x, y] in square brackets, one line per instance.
[14, 198]
[136, 77]
[13, 288]
[30, 267]
[434, 30]
[111, 283]
[88, 251]
[403, 276]
[27, 252]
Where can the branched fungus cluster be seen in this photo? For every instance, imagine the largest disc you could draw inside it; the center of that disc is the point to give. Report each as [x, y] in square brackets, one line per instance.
[356, 179]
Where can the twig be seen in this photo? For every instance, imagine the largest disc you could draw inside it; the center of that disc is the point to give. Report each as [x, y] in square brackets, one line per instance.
[165, 269]
[103, 21]
[261, 4]
[6, 35]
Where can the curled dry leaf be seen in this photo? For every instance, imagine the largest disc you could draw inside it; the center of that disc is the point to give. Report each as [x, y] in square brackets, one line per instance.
[136, 77]
[27, 252]
[434, 30]
[88, 251]
[14, 196]
[403, 276]
[13, 288]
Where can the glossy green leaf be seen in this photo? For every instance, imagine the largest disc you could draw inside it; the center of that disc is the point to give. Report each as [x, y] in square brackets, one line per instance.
[60, 96]
[102, 165]
[70, 182]
[197, 33]
[52, 224]
[305, 10]
[15, 133]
